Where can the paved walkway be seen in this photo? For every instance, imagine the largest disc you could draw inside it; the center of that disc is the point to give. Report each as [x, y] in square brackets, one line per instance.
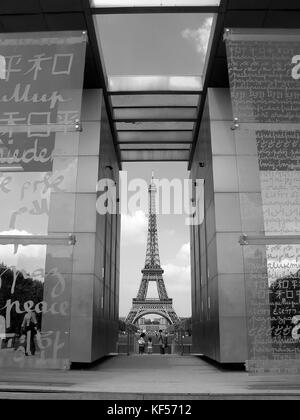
[146, 377]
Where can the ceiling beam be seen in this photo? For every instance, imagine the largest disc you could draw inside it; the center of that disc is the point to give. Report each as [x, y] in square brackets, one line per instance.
[155, 142]
[99, 63]
[154, 92]
[153, 9]
[134, 120]
[218, 33]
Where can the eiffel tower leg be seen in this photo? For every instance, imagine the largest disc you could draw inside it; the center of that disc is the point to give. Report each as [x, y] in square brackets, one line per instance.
[132, 314]
[142, 293]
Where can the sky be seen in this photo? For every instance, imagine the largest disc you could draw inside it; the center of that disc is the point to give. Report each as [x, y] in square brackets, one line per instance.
[154, 44]
[174, 243]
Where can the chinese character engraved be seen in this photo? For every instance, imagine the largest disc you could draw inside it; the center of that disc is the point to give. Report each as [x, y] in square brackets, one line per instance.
[37, 64]
[41, 119]
[2, 67]
[62, 64]
[11, 119]
[12, 65]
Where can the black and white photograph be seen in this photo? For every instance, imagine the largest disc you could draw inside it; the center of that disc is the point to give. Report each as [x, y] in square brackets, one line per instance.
[149, 203]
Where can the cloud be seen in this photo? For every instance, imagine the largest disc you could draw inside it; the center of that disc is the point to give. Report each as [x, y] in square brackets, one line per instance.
[184, 254]
[28, 258]
[134, 228]
[199, 37]
[179, 276]
[178, 283]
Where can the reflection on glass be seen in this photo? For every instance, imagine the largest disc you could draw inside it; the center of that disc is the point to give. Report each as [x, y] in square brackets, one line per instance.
[34, 305]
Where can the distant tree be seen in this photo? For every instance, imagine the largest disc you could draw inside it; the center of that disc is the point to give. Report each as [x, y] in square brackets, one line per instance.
[25, 289]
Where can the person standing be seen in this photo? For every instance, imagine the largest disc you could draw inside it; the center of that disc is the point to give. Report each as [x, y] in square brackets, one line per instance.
[142, 344]
[29, 328]
[166, 343]
[150, 346]
[161, 342]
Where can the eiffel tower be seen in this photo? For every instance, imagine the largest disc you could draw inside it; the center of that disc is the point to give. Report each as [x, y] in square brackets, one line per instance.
[152, 271]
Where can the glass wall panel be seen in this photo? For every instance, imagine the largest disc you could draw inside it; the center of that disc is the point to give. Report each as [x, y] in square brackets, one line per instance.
[41, 81]
[265, 98]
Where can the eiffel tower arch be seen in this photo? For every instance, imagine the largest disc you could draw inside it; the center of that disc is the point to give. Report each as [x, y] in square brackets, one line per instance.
[152, 272]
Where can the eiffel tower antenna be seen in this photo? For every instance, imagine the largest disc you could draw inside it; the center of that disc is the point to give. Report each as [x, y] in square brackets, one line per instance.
[152, 271]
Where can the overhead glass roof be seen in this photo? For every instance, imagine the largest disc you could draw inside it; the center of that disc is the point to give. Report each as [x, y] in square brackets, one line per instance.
[154, 64]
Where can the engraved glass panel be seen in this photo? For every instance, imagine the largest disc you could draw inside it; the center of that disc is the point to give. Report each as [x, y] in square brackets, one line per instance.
[265, 98]
[38, 177]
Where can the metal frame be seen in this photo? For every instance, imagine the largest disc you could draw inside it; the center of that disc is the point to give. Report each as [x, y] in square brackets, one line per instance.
[153, 9]
[155, 107]
[151, 119]
[41, 128]
[38, 239]
[153, 150]
[211, 57]
[154, 92]
[154, 131]
[245, 240]
[99, 63]
[154, 142]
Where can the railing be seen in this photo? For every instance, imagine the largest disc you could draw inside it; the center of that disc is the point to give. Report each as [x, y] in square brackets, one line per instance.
[269, 240]
[38, 239]
[41, 128]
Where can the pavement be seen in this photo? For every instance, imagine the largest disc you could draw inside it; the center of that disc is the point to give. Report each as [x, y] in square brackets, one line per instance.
[146, 377]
